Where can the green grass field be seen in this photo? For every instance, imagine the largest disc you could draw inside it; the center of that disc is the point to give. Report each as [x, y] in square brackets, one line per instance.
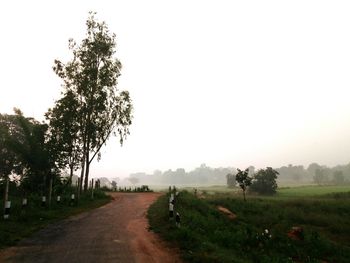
[297, 191]
[313, 190]
[207, 235]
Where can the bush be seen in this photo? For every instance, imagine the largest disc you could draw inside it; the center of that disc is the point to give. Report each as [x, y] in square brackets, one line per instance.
[264, 181]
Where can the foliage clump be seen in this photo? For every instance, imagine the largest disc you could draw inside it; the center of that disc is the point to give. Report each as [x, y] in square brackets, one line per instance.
[244, 180]
[264, 181]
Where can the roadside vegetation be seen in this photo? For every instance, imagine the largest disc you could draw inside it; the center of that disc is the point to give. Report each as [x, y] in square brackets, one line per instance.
[38, 160]
[261, 230]
[24, 221]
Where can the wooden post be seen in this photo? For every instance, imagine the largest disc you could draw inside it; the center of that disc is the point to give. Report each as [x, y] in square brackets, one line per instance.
[50, 191]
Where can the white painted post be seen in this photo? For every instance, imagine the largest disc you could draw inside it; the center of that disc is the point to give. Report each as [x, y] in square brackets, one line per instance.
[177, 219]
[24, 203]
[58, 199]
[72, 198]
[7, 209]
[43, 201]
[172, 199]
[171, 210]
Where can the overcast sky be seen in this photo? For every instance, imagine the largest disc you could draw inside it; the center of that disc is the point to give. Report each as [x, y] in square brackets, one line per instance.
[226, 83]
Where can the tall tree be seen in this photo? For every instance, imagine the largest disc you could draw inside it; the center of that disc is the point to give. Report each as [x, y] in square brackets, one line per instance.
[92, 76]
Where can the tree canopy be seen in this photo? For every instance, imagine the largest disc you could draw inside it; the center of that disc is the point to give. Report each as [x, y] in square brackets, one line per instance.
[264, 181]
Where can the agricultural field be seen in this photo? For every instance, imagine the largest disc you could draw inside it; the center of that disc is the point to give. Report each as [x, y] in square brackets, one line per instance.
[261, 228]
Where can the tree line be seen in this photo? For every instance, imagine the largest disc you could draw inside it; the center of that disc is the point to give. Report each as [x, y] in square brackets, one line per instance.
[313, 173]
[89, 111]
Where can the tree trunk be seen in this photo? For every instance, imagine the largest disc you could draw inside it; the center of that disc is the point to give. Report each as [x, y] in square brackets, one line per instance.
[78, 189]
[50, 191]
[86, 184]
[87, 151]
[244, 195]
[80, 185]
[71, 174]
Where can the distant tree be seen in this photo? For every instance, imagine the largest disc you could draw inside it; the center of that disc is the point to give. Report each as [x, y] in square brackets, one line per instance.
[338, 177]
[312, 168]
[133, 180]
[114, 185]
[320, 176]
[231, 180]
[244, 180]
[264, 181]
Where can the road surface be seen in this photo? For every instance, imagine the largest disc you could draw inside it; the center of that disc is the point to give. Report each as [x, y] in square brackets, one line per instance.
[116, 232]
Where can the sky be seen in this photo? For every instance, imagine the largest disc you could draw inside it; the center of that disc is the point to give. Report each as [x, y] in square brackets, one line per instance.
[225, 83]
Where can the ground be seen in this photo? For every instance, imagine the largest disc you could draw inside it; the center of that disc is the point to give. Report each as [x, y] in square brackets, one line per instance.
[116, 232]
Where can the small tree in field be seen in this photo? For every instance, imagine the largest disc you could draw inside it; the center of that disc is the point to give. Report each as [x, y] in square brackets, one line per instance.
[244, 180]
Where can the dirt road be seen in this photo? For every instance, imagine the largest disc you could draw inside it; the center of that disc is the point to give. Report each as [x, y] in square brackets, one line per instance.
[116, 232]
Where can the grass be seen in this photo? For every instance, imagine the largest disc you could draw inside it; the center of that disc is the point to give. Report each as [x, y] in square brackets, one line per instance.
[23, 223]
[207, 235]
[312, 190]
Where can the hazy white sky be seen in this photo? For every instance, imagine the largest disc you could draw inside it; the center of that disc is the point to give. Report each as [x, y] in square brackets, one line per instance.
[226, 83]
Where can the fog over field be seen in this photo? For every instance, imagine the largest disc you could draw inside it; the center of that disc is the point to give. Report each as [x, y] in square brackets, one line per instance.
[225, 83]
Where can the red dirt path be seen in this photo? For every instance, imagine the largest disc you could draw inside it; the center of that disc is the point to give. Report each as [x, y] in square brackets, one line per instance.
[116, 232]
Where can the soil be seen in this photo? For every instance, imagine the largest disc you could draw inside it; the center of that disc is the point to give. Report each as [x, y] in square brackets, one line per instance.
[227, 212]
[116, 232]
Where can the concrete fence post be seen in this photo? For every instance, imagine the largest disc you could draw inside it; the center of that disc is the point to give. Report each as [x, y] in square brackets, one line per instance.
[72, 199]
[24, 203]
[7, 209]
[177, 219]
[171, 210]
[43, 201]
